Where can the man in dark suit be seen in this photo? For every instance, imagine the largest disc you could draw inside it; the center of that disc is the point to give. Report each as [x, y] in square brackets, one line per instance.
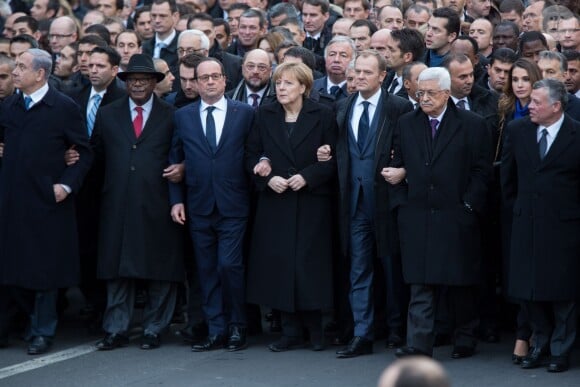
[103, 67]
[164, 17]
[540, 180]
[209, 138]
[403, 47]
[366, 122]
[39, 250]
[338, 54]
[254, 88]
[137, 239]
[447, 156]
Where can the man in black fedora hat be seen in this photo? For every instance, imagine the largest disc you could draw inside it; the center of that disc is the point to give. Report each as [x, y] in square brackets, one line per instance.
[137, 239]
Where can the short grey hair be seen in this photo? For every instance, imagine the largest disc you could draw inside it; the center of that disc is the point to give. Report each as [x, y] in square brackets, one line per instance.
[204, 39]
[341, 39]
[439, 74]
[556, 91]
[552, 55]
[41, 60]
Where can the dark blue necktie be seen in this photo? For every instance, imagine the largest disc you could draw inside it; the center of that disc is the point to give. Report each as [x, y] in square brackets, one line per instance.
[461, 104]
[27, 102]
[210, 128]
[543, 144]
[334, 90]
[363, 126]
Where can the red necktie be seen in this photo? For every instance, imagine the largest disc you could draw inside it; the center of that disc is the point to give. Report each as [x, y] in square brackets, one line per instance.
[138, 122]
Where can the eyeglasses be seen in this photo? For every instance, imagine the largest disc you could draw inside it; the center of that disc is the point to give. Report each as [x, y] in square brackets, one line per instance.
[139, 80]
[206, 77]
[261, 67]
[184, 51]
[58, 36]
[429, 93]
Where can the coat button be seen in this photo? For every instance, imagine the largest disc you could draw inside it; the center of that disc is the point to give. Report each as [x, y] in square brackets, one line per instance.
[427, 164]
[433, 210]
[132, 168]
[431, 187]
[134, 146]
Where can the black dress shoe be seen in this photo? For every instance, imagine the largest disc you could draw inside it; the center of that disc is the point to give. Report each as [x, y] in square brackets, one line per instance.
[517, 359]
[558, 364]
[395, 339]
[112, 341]
[536, 358]
[209, 344]
[237, 339]
[461, 352]
[286, 343]
[410, 351]
[150, 341]
[195, 333]
[442, 339]
[357, 346]
[39, 345]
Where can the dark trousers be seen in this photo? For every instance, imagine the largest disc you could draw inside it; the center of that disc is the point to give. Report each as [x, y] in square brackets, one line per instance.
[157, 313]
[423, 309]
[218, 245]
[293, 323]
[40, 305]
[396, 292]
[554, 325]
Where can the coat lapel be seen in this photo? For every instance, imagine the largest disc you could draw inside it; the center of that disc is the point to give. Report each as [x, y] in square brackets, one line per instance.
[124, 115]
[153, 121]
[563, 140]
[277, 129]
[447, 129]
[531, 143]
[306, 121]
[383, 139]
[229, 123]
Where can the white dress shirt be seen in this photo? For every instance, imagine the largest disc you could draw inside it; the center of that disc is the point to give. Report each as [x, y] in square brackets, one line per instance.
[219, 116]
[358, 109]
[552, 132]
[37, 95]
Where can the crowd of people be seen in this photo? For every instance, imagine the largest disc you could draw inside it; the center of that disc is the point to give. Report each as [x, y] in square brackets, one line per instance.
[410, 169]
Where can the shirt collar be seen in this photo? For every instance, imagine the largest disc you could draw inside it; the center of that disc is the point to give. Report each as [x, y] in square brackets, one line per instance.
[147, 106]
[455, 100]
[554, 128]
[374, 99]
[38, 94]
[222, 104]
[94, 92]
[440, 116]
[167, 40]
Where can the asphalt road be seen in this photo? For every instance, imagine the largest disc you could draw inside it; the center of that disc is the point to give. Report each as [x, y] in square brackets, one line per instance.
[74, 362]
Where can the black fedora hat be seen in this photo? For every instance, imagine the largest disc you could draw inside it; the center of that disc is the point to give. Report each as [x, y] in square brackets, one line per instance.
[141, 64]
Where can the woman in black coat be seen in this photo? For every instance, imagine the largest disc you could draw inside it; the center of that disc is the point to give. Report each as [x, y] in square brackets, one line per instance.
[290, 266]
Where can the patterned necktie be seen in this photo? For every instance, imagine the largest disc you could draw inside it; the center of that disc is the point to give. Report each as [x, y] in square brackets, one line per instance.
[363, 126]
[461, 104]
[254, 100]
[27, 102]
[138, 121]
[543, 143]
[433, 122]
[394, 85]
[96, 102]
[210, 132]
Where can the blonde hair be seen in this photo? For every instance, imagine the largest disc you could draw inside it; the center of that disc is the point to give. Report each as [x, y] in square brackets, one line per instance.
[300, 71]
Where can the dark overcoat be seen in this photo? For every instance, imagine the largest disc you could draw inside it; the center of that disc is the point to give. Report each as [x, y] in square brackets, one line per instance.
[290, 262]
[440, 236]
[385, 225]
[137, 238]
[38, 237]
[545, 196]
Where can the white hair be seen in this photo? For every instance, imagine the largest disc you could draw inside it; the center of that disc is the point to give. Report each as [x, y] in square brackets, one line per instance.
[204, 39]
[439, 74]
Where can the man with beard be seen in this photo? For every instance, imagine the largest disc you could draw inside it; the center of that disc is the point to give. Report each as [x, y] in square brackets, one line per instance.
[256, 70]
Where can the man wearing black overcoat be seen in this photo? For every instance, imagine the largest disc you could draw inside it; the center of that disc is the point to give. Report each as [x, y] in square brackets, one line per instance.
[137, 239]
[447, 156]
[540, 178]
[38, 235]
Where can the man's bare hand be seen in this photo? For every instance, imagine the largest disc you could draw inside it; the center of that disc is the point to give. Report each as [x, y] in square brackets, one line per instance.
[59, 193]
[174, 172]
[296, 182]
[178, 213]
[263, 168]
[394, 175]
[323, 153]
[278, 184]
[71, 156]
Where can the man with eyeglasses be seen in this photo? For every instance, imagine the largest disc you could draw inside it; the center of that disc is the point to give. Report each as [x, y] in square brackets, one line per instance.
[62, 31]
[209, 138]
[439, 207]
[255, 87]
[137, 239]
